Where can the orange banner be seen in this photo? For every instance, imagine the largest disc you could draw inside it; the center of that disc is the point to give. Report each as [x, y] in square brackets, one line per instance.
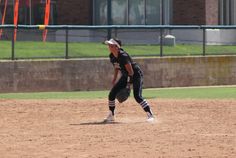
[46, 18]
[3, 17]
[16, 8]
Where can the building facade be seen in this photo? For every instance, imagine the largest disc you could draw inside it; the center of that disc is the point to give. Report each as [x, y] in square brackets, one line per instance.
[124, 12]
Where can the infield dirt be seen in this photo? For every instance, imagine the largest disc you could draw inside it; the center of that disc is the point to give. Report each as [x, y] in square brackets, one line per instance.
[74, 129]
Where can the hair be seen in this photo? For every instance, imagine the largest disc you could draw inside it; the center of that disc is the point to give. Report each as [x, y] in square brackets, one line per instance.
[118, 41]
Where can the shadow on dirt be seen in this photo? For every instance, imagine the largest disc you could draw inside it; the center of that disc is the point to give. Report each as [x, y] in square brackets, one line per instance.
[97, 123]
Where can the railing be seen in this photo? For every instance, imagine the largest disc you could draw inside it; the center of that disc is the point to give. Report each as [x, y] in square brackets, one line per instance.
[109, 28]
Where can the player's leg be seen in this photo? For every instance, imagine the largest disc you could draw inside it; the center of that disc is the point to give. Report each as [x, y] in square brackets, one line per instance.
[137, 88]
[112, 96]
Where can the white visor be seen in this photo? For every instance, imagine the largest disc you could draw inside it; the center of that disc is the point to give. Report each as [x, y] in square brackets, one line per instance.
[113, 42]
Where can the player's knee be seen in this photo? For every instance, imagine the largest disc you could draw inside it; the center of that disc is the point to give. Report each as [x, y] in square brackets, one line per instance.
[111, 96]
[138, 98]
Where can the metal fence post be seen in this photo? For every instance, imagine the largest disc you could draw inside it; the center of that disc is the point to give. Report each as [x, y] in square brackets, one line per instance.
[161, 42]
[13, 46]
[66, 53]
[204, 42]
[108, 33]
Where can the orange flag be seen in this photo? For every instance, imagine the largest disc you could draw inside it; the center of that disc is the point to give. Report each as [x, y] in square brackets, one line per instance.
[16, 16]
[46, 18]
[3, 17]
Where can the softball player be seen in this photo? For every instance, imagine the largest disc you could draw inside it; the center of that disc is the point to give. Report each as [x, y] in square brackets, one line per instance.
[130, 74]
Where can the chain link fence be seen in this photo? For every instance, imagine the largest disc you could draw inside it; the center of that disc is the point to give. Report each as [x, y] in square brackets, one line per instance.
[72, 41]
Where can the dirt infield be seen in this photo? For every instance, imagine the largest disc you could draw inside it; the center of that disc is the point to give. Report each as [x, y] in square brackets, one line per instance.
[73, 129]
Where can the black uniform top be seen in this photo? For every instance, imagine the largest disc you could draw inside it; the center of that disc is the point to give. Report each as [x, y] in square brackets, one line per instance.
[123, 59]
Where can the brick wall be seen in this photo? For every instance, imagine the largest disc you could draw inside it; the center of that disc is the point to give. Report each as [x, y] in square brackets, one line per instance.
[74, 12]
[195, 12]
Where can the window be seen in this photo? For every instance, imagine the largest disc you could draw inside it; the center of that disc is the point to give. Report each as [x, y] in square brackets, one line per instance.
[133, 12]
[227, 12]
[153, 9]
[136, 12]
[119, 12]
[100, 12]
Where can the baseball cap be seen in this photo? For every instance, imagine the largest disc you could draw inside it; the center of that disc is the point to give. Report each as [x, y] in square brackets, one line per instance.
[114, 42]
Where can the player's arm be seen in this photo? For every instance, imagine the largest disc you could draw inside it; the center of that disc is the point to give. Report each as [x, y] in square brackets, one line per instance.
[130, 71]
[125, 60]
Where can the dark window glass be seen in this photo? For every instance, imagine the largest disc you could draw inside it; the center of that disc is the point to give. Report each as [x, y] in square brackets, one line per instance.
[100, 12]
[153, 12]
[133, 12]
[119, 12]
[136, 12]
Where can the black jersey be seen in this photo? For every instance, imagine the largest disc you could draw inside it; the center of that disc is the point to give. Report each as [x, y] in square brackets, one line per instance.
[123, 59]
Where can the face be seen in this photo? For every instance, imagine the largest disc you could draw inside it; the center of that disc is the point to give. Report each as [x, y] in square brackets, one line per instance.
[113, 49]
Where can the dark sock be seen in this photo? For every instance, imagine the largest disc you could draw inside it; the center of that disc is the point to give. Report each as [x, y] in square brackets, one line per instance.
[112, 109]
[147, 109]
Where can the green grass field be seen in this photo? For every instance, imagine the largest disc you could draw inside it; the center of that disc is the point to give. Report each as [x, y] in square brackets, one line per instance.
[27, 49]
[169, 93]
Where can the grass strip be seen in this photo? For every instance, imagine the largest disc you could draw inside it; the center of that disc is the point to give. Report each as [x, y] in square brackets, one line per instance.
[168, 93]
